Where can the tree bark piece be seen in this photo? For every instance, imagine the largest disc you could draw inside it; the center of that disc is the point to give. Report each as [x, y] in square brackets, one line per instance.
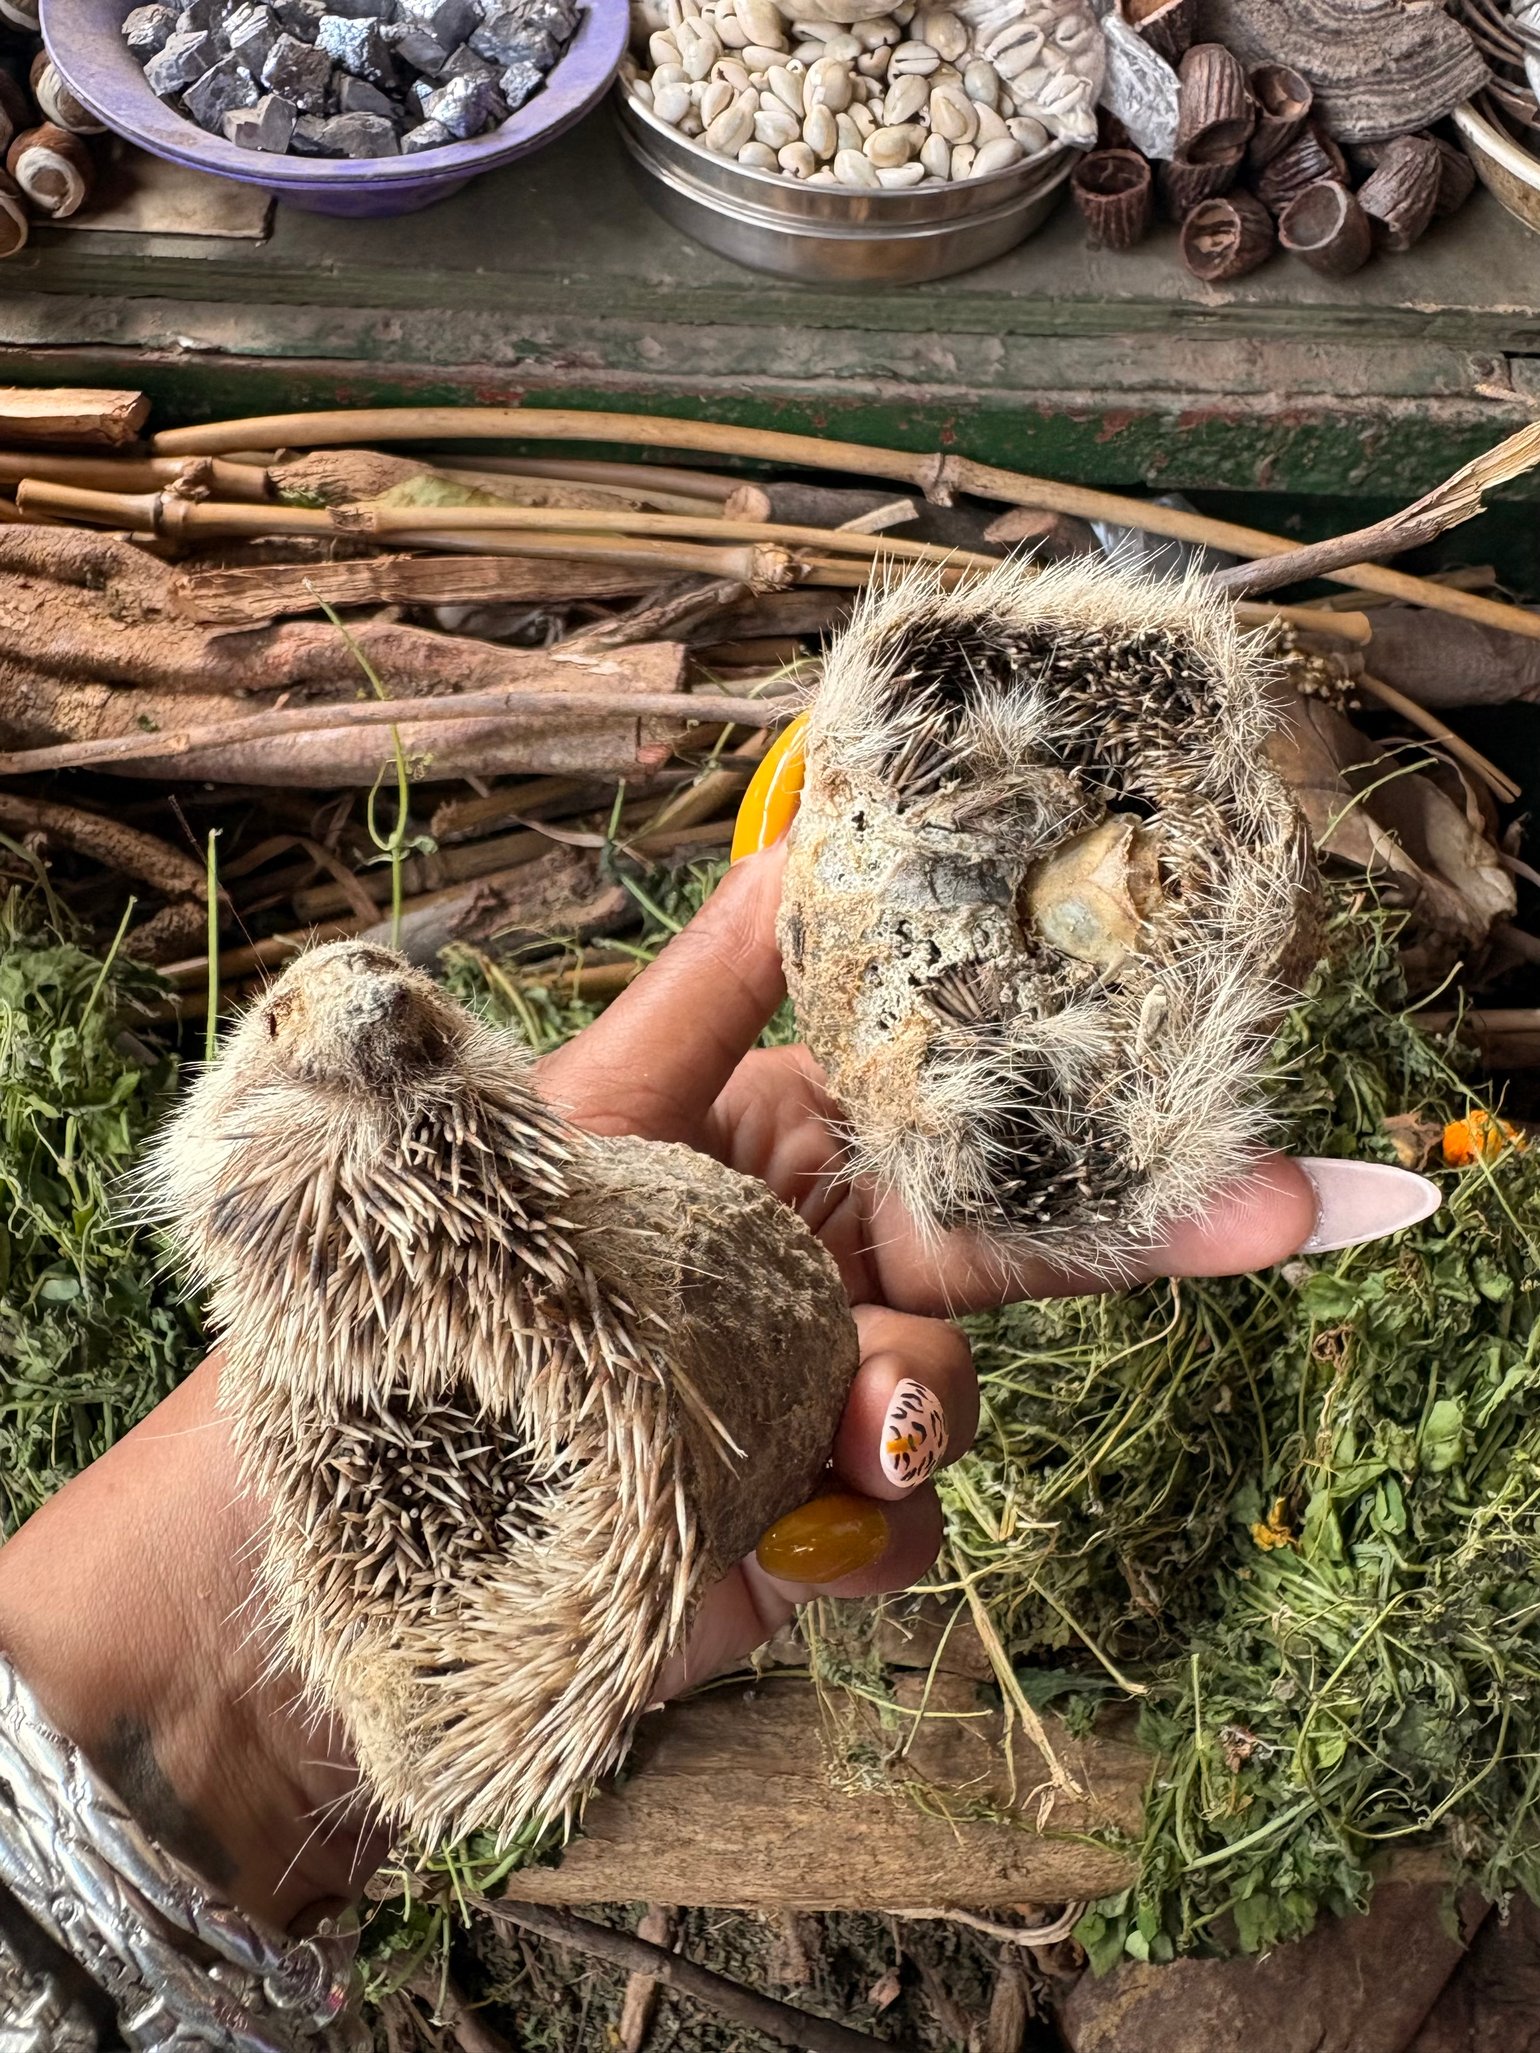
[255, 597]
[730, 1803]
[70, 415]
[128, 850]
[1456, 178]
[1402, 192]
[557, 897]
[1215, 110]
[1166, 25]
[1184, 186]
[1227, 237]
[1283, 100]
[1115, 194]
[1326, 227]
[1311, 156]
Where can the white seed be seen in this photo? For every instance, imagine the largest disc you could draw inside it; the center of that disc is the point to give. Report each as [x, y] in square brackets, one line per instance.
[671, 104]
[962, 160]
[823, 177]
[944, 33]
[828, 85]
[641, 91]
[874, 63]
[981, 82]
[662, 48]
[991, 126]
[715, 100]
[1029, 133]
[776, 126]
[787, 87]
[730, 31]
[864, 120]
[736, 74]
[999, 155]
[762, 20]
[936, 156]
[871, 35]
[906, 96]
[797, 160]
[820, 132]
[690, 124]
[954, 115]
[914, 57]
[846, 48]
[850, 137]
[887, 148]
[760, 58]
[851, 167]
[758, 156]
[813, 31]
[669, 75]
[698, 48]
[732, 129]
[806, 54]
[896, 176]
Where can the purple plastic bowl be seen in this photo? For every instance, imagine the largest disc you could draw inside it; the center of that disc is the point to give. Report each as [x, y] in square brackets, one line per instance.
[84, 39]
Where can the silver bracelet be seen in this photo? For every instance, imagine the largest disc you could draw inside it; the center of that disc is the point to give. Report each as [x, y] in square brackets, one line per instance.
[183, 1969]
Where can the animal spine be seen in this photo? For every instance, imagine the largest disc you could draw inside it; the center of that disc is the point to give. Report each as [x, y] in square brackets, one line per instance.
[1041, 895]
[492, 1378]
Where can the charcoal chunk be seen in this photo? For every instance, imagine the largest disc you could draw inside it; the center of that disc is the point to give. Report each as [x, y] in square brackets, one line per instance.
[302, 74]
[428, 135]
[309, 132]
[186, 56]
[378, 11]
[147, 30]
[418, 94]
[250, 33]
[300, 18]
[520, 82]
[197, 14]
[466, 107]
[448, 22]
[356, 47]
[415, 47]
[464, 63]
[222, 88]
[508, 36]
[358, 135]
[268, 126]
[357, 96]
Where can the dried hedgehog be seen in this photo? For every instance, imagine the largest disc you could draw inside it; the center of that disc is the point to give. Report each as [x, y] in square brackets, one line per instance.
[1044, 896]
[492, 1377]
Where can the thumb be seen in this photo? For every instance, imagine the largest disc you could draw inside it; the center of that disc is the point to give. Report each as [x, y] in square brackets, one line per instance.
[657, 1059]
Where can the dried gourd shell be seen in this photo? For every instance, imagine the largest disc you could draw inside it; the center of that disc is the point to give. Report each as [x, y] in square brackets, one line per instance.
[1042, 902]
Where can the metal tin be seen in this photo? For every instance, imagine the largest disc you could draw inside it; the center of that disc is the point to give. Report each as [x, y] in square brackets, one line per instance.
[84, 38]
[1504, 167]
[824, 235]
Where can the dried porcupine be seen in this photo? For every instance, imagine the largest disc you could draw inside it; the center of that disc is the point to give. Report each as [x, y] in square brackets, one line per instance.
[1043, 898]
[491, 1376]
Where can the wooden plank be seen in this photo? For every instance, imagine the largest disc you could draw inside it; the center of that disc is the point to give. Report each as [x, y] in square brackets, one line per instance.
[731, 1798]
[63, 413]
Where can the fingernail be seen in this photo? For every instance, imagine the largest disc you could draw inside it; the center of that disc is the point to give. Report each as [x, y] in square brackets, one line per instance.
[1356, 1201]
[913, 1434]
[824, 1541]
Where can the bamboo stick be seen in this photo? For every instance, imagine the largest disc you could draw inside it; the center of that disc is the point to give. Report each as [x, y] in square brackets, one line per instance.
[1342, 626]
[131, 474]
[936, 475]
[647, 477]
[699, 707]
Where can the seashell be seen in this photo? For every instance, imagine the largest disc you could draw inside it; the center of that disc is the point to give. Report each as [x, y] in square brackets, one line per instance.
[827, 85]
[981, 82]
[989, 126]
[853, 167]
[887, 148]
[945, 34]
[698, 47]
[819, 132]
[1041, 893]
[732, 129]
[906, 96]
[954, 115]
[936, 156]
[661, 47]
[671, 104]
[1028, 131]
[895, 177]
[776, 126]
[1019, 35]
[963, 155]
[850, 137]
[913, 58]
[999, 155]
[715, 100]
[797, 160]
[762, 22]
[758, 157]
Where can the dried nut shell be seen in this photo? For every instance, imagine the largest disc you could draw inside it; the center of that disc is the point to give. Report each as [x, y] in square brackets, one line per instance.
[873, 63]
[854, 167]
[674, 75]
[1311, 155]
[57, 103]
[936, 156]
[1215, 111]
[981, 82]
[963, 155]
[991, 126]
[1283, 99]
[906, 96]
[16, 111]
[1400, 196]
[1327, 227]
[662, 49]
[758, 156]
[797, 160]
[1183, 185]
[887, 148]
[1028, 131]
[850, 136]
[828, 85]
[897, 177]
[846, 49]
[1166, 25]
[820, 132]
[758, 58]
[1226, 237]
[671, 104]
[1116, 196]
[999, 155]
[945, 34]
[788, 87]
[776, 126]
[698, 47]
[762, 19]
[715, 100]
[954, 115]
[731, 129]
[730, 32]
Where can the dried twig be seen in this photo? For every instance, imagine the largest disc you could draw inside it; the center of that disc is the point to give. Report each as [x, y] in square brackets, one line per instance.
[449, 2005]
[1497, 781]
[639, 2005]
[250, 597]
[125, 849]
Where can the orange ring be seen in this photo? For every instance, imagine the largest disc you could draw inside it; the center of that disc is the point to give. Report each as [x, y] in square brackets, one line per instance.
[775, 791]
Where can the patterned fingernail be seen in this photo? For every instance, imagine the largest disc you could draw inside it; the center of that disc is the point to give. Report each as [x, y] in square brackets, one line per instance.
[913, 1435]
[825, 1540]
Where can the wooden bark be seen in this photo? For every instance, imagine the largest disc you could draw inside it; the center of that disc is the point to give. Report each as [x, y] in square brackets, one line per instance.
[252, 598]
[1326, 227]
[1184, 186]
[558, 896]
[820, 506]
[729, 1801]
[1283, 101]
[1166, 25]
[1400, 196]
[65, 414]
[1115, 194]
[1440, 661]
[1225, 238]
[1215, 110]
[1311, 156]
[342, 477]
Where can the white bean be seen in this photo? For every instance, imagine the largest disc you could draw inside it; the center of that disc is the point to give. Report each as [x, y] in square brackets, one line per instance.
[871, 35]
[990, 126]
[828, 85]
[851, 167]
[819, 132]
[874, 63]
[981, 82]
[864, 120]
[999, 155]
[897, 176]
[758, 57]
[954, 115]
[914, 57]
[662, 48]
[936, 156]
[715, 100]
[735, 73]
[777, 126]
[962, 159]
[1030, 133]
[787, 87]
[730, 31]
[850, 137]
[669, 75]
[762, 21]
[758, 157]
[944, 33]
[699, 48]
[797, 160]
[846, 48]
[640, 90]
[732, 129]
[906, 96]
[671, 104]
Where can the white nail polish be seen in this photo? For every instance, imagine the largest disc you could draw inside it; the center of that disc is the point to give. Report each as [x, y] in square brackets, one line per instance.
[913, 1434]
[1357, 1201]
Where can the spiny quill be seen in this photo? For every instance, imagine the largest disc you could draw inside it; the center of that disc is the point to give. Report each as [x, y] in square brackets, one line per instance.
[1043, 897]
[492, 1380]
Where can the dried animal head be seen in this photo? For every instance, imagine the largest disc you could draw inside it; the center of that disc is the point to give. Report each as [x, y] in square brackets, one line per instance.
[1042, 896]
[493, 1378]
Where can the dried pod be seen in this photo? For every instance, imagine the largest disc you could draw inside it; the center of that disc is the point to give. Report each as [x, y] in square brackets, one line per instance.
[1166, 25]
[1327, 227]
[1311, 156]
[1215, 111]
[1456, 178]
[1183, 185]
[1114, 192]
[16, 110]
[1041, 893]
[53, 168]
[15, 225]
[491, 1378]
[56, 103]
[1226, 237]
[1283, 101]
[1400, 196]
